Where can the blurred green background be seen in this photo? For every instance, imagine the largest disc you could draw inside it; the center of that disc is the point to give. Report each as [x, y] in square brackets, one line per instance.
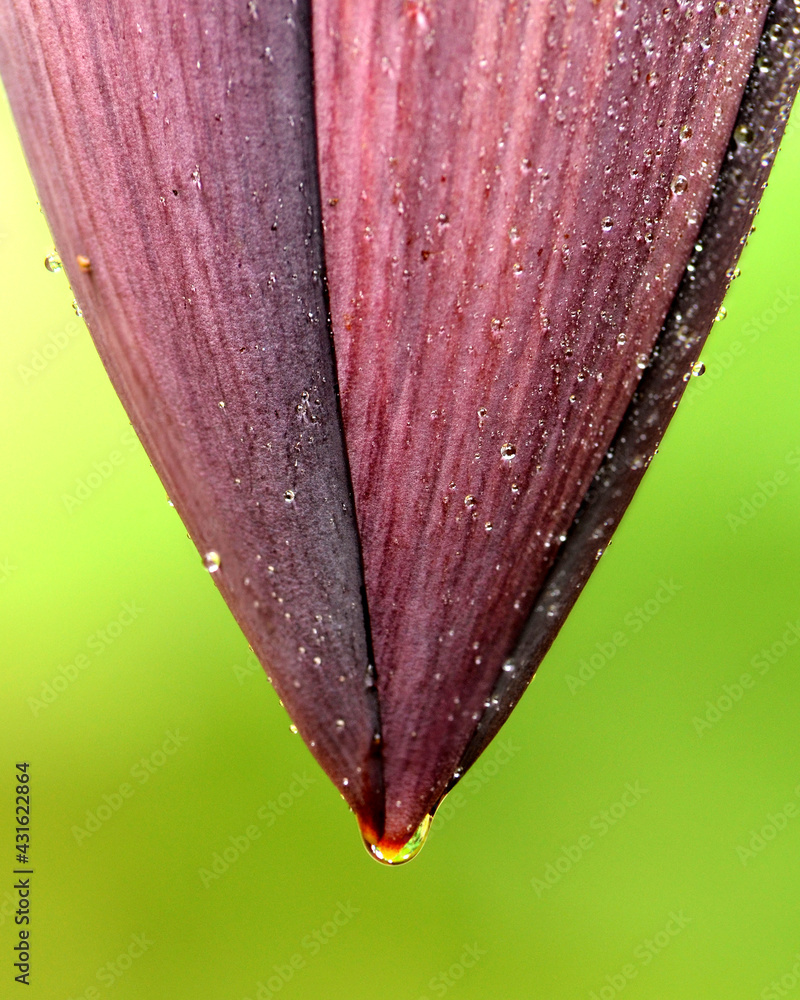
[186, 845]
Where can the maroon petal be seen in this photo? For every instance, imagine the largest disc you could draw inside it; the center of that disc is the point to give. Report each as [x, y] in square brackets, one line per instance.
[173, 150]
[762, 117]
[511, 193]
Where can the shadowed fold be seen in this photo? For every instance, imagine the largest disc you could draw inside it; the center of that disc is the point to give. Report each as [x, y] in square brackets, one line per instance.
[502, 250]
[172, 144]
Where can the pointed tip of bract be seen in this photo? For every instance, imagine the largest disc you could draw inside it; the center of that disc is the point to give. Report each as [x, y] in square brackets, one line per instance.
[389, 852]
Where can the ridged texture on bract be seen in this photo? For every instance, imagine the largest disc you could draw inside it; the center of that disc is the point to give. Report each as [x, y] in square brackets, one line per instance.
[173, 145]
[511, 192]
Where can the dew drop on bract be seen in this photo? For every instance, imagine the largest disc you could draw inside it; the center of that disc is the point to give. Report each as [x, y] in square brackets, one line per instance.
[53, 262]
[679, 184]
[698, 369]
[507, 452]
[212, 561]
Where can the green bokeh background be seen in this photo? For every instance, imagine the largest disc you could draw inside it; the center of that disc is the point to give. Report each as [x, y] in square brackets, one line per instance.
[566, 756]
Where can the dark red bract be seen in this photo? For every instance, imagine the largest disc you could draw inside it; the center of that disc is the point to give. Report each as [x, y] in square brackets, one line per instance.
[491, 206]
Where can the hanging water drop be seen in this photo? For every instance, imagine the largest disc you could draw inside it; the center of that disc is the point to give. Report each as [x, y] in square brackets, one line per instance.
[53, 262]
[389, 853]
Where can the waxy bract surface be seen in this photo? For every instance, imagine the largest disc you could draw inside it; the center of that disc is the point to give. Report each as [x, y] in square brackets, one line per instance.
[510, 195]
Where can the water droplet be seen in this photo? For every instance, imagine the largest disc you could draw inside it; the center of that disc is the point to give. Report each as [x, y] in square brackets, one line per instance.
[686, 132]
[721, 8]
[621, 339]
[607, 224]
[679, 184]
[293, 729]
[508, 452]
[488, 526]
[470, 501]
[743, 135]
[53, 262]
[641, 361]
[514, 489]
[77, 309]
[212, 561]
[698, 368]
[340, 724]
[722, 312]
[288, 496]
[396, 854]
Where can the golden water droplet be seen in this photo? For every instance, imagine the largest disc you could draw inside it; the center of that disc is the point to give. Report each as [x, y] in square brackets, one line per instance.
[397, 854]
